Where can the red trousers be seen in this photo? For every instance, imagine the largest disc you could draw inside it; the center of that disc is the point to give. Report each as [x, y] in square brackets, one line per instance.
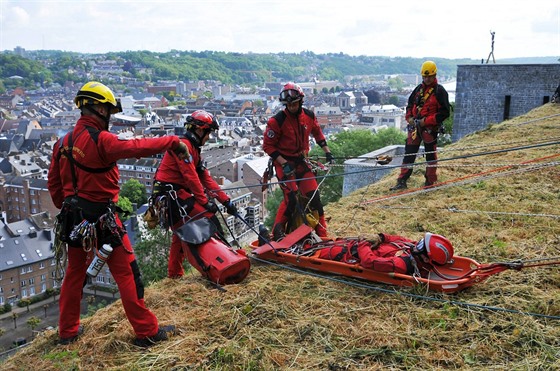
[307, 186]
[124, 269]
[411, 149]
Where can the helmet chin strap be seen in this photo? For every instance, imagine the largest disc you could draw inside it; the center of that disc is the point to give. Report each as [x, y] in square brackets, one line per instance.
[105, 118]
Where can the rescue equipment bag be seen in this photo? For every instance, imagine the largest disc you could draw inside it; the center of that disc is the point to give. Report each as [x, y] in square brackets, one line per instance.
[214, 259]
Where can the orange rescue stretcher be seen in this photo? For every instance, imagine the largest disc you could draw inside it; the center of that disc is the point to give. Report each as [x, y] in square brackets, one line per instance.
[452, 277]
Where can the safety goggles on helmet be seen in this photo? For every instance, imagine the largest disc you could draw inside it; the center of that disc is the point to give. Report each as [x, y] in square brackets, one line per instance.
[421, 247]
[290, 95]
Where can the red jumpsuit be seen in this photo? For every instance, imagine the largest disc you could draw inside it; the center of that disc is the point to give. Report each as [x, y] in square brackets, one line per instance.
[95, 191]
[391, 255]
[430, 102]
[288, 135]
[190, 181]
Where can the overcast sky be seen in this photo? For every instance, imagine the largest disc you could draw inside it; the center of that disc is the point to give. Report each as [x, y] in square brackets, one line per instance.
[402, 28]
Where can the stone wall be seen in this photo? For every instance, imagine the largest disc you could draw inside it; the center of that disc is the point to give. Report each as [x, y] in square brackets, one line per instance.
[364, 170]
[492, 93]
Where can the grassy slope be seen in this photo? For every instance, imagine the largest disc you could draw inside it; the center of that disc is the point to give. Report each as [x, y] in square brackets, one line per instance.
[279, 319]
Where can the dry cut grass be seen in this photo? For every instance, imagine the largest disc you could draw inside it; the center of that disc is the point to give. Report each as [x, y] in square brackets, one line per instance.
[278, 319]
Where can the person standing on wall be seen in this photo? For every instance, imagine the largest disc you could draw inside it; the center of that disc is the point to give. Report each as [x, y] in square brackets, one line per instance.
[286, 141]
[192, 184]
[427, 108]
[83, 182]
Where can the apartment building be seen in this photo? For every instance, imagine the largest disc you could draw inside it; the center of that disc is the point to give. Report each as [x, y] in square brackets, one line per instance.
[27, 264]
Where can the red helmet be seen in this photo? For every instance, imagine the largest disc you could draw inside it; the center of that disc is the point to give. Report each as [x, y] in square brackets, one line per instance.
[440, 250]
[202, 120]
[291, 93]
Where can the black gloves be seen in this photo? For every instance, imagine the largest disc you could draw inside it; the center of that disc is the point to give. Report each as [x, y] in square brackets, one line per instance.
[211, 206]
[330, 158]
[288, 170]
[230, 207]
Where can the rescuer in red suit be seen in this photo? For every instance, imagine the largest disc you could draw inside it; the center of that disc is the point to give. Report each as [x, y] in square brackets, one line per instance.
[286, 141]
[193, 185]
[83, 181]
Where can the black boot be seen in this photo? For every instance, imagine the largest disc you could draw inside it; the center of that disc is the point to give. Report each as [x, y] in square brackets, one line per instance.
[264, 235]
[278, 232]
[161, 335]
[401, 184]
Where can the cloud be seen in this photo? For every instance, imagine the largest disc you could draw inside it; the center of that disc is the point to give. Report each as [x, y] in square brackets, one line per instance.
[398, 28]
[17, 16]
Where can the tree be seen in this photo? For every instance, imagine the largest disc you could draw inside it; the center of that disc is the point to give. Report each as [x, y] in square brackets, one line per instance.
[396, 83]
[126, 206]
[394, 100]
[272, 204]
[32, 322]
[152, 254]
[447, 127]
[25, 302]
[134, 191]
[347, 145]
[373, 96]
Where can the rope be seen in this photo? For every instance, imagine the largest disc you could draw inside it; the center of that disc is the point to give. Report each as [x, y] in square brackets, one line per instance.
[453, 209]
[60, 249]
[385, 167]
[407, 294]
[467, 180]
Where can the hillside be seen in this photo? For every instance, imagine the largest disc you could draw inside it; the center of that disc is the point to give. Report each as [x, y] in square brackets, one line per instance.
[281, 319]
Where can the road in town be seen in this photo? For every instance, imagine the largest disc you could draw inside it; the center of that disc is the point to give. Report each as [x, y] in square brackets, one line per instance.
[47, 312]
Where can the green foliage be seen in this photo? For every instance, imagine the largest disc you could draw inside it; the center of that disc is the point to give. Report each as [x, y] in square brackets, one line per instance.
[152, 254]
[30, 72]
[396, 83]
[272, 204]
[33, 322]
[44, 67]
[350, 144]
[126, 206]
[394, 100]
[134, 191]
[6, 308]
[24, 303]
[448, 127]
[64, 359]
[92, 309]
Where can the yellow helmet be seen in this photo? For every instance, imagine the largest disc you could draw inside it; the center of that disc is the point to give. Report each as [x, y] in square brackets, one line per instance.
[429, 68]
[95, 92]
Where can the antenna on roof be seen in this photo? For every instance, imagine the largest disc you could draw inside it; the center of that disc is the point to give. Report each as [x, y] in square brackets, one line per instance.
[491, 50]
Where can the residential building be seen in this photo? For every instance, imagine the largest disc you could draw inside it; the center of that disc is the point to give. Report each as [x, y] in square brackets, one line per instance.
[27, 264]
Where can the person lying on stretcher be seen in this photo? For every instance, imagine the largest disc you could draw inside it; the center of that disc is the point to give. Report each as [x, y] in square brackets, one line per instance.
[389, 253]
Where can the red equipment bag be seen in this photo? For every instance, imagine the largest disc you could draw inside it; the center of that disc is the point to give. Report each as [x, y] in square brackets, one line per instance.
[218, 262]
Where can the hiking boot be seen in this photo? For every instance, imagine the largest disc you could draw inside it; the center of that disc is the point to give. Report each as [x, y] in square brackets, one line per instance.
[264, 235]
[71, 339]
[428, 184]
[278, 232]
[401, 184]
[161, 335]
